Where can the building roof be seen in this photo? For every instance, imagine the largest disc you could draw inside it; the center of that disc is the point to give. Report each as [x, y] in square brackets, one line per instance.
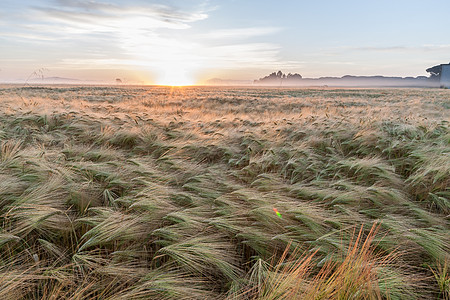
[436, 70]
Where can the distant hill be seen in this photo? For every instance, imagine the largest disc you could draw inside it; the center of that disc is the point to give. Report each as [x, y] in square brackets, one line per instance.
[230, 82]
[281, 79]
[54, 80]
[63, 80]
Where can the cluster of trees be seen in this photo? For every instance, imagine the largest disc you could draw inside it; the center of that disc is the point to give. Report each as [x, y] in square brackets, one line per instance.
[277, 76]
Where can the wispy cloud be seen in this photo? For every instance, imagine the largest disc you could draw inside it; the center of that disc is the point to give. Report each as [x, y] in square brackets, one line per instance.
[380, 49]
[399, 48]
[435, 47]
[107, 17]
[240, 33]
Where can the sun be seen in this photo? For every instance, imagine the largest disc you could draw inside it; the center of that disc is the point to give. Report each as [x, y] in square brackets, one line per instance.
[175, 76]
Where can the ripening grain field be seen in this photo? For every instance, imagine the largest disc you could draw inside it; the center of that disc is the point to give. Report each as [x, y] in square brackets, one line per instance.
[173, 193]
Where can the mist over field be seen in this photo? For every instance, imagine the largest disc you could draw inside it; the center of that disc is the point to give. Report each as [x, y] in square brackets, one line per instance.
[224, 193]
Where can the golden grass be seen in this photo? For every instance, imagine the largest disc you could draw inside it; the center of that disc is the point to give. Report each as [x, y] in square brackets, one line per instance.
[169, 193]
[355, 276]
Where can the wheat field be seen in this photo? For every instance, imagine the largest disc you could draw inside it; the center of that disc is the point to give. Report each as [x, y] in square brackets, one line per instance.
[224, 193]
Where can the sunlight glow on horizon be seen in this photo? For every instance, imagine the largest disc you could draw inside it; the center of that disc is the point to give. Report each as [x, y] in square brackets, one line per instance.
[172, 69]
[176, 77]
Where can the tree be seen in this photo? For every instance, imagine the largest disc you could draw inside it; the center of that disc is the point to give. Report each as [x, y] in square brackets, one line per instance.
[294, 76]
[278, 77]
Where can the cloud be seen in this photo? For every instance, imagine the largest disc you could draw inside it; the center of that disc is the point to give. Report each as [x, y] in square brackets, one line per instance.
[399, 48]
[435, 47]
[381, 49]
[168, 13]
[26, 36]
[99, 16]
[240, 33]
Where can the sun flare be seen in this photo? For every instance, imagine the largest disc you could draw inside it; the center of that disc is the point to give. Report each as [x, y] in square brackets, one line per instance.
[175, 75]
[176, 80]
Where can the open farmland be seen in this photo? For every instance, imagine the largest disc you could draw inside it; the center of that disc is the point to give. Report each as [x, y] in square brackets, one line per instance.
[172, 193]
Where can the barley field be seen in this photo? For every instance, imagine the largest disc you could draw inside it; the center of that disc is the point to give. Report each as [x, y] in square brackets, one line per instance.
[224, 193]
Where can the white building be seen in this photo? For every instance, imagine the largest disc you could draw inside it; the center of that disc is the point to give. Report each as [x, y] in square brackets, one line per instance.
[445, 76]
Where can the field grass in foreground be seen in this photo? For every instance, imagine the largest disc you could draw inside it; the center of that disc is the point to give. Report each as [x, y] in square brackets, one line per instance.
[169, 193]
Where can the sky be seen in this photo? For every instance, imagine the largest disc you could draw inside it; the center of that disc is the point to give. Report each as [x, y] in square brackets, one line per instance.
[191, 41]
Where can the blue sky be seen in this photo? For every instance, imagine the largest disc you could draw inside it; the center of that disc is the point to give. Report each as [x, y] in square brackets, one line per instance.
[190, 41]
